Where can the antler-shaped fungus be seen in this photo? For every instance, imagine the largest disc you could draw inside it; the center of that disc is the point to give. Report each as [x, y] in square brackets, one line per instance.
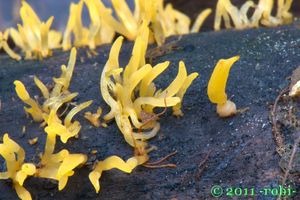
[128, 92]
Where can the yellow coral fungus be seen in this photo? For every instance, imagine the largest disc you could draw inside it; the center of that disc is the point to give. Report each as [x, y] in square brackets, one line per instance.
[5, 47]
[216, 88]
[17, 170]
[262, 14]
[35, 37]
[283, 12]
[164, 21]
[130, 92]
[99, 32]
[110, 163]
[59, 166]
[94, 117]
[35, 111]
[55, 98]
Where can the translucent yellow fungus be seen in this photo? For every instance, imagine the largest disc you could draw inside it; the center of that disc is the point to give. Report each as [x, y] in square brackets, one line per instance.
[5, 47]
[35, 37]
[17, 170]
[216, 89]
[67, 129]
[262, 14]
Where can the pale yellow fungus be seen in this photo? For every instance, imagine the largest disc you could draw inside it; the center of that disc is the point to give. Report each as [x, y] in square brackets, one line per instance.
[216, 88]
[17, 170]
[283, 11]
[163, 21]
[33, 141]
[5, 47]
[94, 118]
[99, 32]
[35, 37]
[200, 20]
[75, 27]
[262, 14]
[295, 90]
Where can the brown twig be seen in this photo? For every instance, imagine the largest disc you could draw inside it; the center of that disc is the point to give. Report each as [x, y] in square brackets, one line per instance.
[201, 166]
[162, 50]
[276, 133]
[295, 147]
[154, 117]
[156, 164]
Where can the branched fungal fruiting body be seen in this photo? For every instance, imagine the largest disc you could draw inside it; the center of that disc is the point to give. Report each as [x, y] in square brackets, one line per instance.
[216, 89]
[53, 99]
[58, 166]
[17, 170]
[130, 93]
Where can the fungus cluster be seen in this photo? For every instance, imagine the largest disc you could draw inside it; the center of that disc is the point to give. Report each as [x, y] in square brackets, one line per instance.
[4, 45]
[58, 166]
[262, 14]
[37, 40]
[53, 99]
[34, 37]
[130, 92]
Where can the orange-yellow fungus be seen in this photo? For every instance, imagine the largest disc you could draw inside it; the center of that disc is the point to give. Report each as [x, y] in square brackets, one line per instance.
[17, 170]
[216, 89]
